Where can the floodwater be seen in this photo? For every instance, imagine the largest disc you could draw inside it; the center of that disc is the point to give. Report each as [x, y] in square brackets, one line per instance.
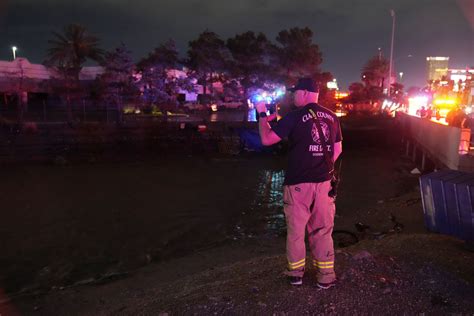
[219, 116]
[62, 224]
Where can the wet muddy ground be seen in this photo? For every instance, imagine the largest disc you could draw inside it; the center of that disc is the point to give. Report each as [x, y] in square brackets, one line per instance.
[64, 224]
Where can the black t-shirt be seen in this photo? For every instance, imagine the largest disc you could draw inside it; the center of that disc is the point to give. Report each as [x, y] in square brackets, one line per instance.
[306, 162]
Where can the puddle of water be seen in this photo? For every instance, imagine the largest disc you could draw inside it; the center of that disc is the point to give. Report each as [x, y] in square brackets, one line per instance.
[269, 192]
[265, 215]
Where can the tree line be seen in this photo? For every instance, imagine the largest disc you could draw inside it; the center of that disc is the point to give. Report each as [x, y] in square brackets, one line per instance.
[375, 78]
[242, 63]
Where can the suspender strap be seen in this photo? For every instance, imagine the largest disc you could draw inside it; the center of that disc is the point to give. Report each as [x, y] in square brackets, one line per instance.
[328, 157]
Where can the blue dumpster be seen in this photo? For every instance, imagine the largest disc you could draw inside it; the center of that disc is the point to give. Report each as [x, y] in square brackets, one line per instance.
[465, 197]
[452, 206]
[447, 198]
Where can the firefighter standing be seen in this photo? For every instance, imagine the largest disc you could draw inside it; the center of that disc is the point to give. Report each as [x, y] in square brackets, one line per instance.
[307, 204]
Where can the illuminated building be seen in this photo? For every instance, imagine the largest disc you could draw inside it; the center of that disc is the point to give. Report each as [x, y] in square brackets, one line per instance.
[332, 85]
[36, 79]
[437, 67]
[341, 95]
[461, 78]
[461, 74]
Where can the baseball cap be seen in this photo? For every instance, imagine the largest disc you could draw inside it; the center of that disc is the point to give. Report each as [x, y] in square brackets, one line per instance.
[307, 84]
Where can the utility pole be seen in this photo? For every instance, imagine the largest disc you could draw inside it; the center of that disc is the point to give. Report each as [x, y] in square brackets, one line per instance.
[392, 13]
[14, 49]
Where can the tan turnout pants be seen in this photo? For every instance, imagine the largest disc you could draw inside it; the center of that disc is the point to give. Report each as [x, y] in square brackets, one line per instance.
[307, 206]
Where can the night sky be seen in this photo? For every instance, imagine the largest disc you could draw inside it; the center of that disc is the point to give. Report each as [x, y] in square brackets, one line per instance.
[347, 31]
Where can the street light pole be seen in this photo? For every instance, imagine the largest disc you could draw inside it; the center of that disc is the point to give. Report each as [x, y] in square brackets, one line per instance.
[14, 48]
[392, 13]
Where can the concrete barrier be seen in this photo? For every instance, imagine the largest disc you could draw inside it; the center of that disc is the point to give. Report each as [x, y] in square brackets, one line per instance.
[445, 144]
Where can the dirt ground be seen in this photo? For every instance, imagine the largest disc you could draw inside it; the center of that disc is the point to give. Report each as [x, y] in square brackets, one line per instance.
[399, 274]
[153, 238]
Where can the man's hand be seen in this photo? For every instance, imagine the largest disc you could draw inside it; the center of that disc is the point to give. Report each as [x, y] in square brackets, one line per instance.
[262, 107]
[267, 136]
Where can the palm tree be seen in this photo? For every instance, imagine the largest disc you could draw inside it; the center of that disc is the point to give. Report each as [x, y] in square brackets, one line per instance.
[68, 52]
[375, 72]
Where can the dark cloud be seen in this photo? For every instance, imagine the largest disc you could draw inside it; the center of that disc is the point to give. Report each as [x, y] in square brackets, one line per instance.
[348, 32]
